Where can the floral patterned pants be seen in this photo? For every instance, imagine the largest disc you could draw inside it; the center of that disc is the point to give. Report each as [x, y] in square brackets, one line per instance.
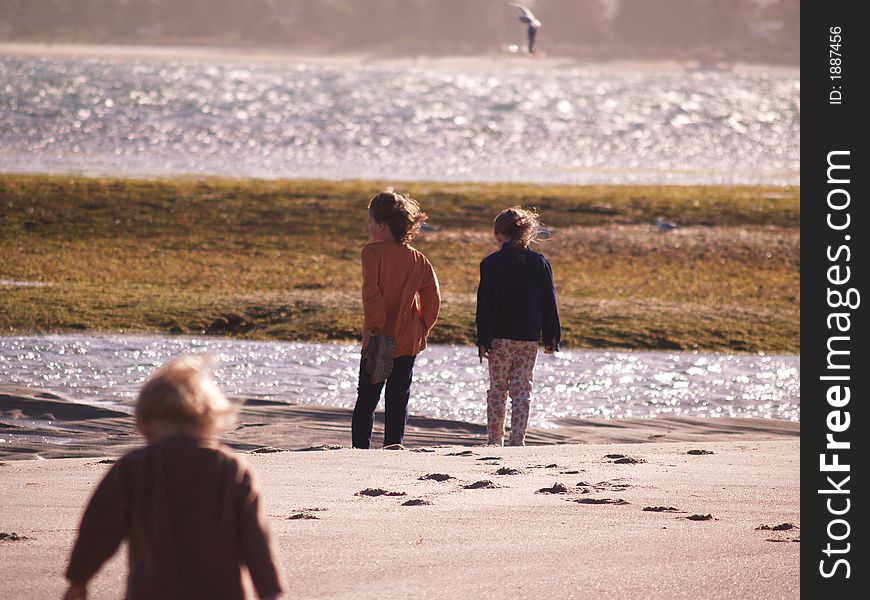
[511, 363]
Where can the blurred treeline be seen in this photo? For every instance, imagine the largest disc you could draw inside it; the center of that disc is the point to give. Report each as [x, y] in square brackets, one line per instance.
[705, 30]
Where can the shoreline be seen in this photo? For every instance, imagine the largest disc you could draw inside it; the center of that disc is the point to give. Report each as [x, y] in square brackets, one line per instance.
[41, 424]
[277, 56]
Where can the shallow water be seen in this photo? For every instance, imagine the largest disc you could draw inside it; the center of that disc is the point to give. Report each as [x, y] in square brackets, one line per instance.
[448, 381]
[495, 123]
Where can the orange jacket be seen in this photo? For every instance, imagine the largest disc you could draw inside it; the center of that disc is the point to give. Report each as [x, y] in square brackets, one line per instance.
[400, 295]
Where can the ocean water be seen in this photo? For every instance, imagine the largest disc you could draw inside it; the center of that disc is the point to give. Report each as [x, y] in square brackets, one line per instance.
[448, 380]
[495, 123]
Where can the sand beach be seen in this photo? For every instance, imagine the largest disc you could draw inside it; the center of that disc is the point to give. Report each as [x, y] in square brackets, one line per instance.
[616, 508]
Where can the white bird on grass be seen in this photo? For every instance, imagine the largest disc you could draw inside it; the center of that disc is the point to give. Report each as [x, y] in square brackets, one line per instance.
[663, 224]
[531, 22]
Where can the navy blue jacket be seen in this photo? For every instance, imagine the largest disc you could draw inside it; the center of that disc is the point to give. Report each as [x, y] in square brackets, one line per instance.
[516, 299]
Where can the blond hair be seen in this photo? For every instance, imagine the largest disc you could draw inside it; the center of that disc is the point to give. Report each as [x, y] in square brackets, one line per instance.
[400, 213]
[519, 225]
[182, 392]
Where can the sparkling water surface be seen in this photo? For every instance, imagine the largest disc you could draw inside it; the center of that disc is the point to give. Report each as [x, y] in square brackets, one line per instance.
[448, 381]
[483, 123]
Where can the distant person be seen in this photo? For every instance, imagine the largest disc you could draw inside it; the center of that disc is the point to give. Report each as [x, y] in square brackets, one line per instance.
[401, 300]
[189, 510]
[531, 22]
[516, 308]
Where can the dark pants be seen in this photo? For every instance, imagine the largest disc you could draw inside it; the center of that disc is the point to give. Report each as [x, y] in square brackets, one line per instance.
[395, 403]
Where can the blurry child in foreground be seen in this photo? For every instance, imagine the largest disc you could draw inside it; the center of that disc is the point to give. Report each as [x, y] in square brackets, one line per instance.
[189, 510]
[516, 308]
[401, 300]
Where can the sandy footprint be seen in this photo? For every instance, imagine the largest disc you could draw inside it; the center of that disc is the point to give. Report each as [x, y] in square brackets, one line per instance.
[599, 501]
[699, 517]
[509, 471]
[481, 485]
[556, 488]
[700, 452]
[422, 450]
[417, 502]
[602, 486]
[319, 448]
[461, 453]
[13, 537]
[624, 459]
[780, 527]
[302, 516]
[436, 477]
[373, 492]
[670, 509]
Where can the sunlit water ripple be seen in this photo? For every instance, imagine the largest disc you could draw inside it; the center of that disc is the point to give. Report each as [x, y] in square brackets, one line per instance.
[448, 381]
[497, 123]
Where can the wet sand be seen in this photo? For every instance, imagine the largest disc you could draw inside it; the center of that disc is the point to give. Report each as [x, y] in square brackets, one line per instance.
[38, 423]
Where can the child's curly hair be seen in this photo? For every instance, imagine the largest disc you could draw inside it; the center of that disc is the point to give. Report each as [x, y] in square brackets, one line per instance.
[518, 224]
[400, 213]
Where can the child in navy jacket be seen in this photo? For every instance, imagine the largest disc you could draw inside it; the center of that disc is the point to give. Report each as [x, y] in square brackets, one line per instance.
[516, 308]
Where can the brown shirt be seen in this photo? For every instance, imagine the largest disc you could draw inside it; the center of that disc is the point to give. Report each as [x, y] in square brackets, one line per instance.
[191, 514]
[400, 295]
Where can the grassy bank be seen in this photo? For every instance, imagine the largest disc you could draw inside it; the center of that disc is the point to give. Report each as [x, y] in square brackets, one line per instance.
[280, 259]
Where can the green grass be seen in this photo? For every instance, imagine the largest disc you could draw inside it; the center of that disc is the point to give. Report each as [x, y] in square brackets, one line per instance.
[280, 259]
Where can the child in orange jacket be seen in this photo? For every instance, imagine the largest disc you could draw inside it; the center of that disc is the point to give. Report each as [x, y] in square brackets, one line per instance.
[401, 299]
